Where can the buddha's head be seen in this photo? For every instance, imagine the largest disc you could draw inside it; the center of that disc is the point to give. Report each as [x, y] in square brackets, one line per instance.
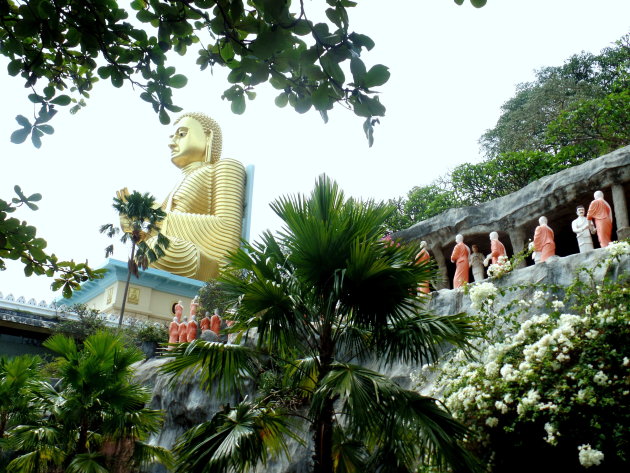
[598, 195]
[196, 138]
[459, 238]
[494, 236]
[542, 220]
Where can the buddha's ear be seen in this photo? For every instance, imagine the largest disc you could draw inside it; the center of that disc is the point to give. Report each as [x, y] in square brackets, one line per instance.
[209, 138]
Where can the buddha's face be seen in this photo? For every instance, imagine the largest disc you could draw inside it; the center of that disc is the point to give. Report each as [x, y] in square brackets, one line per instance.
[188, 143]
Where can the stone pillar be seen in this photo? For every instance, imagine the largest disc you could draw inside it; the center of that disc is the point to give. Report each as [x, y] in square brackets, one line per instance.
[438, 254]
[518, 239]
[621, 212]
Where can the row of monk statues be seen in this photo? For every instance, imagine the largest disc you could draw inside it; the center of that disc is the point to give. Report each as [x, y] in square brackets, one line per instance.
[186, 331]
[596, 220]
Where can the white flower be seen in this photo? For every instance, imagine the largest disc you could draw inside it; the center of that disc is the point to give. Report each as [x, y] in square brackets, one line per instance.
[589, 456]
[492, 421]
[600, 378]
[626, 361]
[482, 294]
[591, 334]
[501, 407]
[618, 248]
[562, 357]
[509, 373]
[552, 433]
[557, 305]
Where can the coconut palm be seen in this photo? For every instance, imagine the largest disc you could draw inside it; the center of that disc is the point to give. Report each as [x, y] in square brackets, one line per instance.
[326, 296]
[140, 217]
[96, 419]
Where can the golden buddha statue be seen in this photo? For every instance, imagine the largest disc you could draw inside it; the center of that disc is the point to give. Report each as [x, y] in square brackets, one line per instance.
[205, 209]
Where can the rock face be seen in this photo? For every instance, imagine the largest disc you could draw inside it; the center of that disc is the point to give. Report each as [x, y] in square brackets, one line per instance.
[186, 404]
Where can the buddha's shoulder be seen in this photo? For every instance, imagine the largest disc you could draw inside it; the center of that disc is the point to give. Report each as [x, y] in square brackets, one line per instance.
[230, 163]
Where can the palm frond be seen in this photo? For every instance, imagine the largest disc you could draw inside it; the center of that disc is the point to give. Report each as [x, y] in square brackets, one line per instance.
[234, 440]
[145, 455]
[86, 463]
[230, 366]
[421, 338]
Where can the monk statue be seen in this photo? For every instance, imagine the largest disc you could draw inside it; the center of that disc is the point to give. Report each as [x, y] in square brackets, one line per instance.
[600, 213]
[204, 211]
[422, 257]
[191, 330]
[194, 305]
[179, 308]
[543, 240]
[205, 323]
[582, 227]
[475, 261]
[460, 255]
[497, 249]
[215, 323]
[182, 334]
[173, 331]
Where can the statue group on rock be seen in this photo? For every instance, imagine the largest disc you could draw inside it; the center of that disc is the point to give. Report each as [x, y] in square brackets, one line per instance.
[597, 219]
[187, 331]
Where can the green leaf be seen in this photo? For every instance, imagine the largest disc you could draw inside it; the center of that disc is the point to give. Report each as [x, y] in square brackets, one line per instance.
[178, 81]
[459, 2]
[238, 105]
[358, 70]
[321, 99]
[376, 76]
[49, 130]
[164, 117]
[61, 100]
[14, 67]
[36, 138]
[361, 40]
[23, 121]
[19, 136]
[281, 100]
[478, 3]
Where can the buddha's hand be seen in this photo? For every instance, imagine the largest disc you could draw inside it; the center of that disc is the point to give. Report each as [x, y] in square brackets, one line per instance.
[122, 194]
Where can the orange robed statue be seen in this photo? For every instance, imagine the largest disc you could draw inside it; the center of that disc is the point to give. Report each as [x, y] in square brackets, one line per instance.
[460, 255]
[191, 330]
[173, 331]
[215, 324]
[543, 240]
[422, 257]
[205, 323]
[497, 249]
[183, 333]
[601, 214]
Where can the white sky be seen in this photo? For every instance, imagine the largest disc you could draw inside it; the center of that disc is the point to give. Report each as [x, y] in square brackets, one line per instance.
[451, 70]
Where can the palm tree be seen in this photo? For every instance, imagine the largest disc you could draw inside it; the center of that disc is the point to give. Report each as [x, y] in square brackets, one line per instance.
[326, 295]
[140, 217]
[96, 419]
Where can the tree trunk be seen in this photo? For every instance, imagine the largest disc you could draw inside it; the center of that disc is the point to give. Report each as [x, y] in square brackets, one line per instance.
[323, 425]
[124, 301]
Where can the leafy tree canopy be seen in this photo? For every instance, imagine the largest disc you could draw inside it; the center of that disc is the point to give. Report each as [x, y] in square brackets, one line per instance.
[19, 241]
[61, 48]
[570, 114]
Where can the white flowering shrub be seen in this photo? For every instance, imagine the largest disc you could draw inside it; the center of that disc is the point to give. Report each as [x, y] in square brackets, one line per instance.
[502, 266]
[482, 295]
[557, 388]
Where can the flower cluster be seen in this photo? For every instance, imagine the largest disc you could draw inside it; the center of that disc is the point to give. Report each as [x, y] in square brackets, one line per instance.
[502, 266]
[563, 378]
[588, 456]
[482, 295]
[618, 248]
